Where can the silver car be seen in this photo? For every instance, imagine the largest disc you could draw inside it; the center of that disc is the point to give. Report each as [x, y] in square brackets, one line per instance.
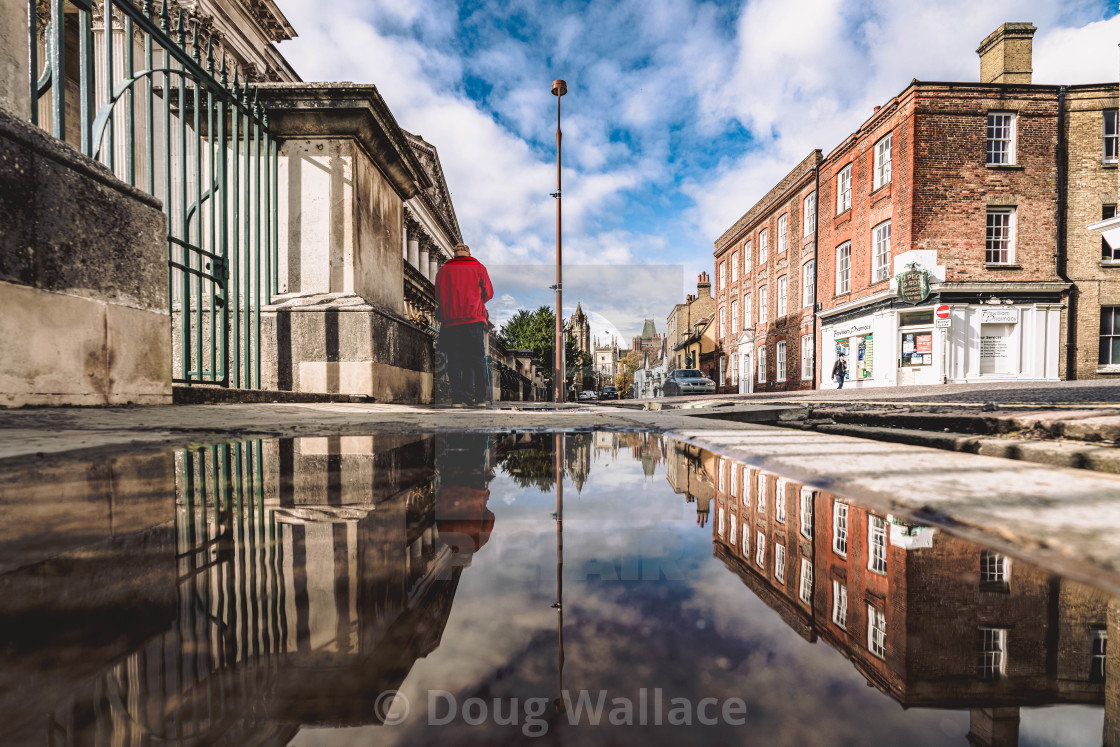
[688, 381]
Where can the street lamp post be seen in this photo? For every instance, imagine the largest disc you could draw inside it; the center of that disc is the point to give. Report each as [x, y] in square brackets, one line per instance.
[559, 88]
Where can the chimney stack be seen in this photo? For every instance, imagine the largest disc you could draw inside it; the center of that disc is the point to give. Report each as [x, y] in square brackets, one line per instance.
[1005, 55]
[704, 286]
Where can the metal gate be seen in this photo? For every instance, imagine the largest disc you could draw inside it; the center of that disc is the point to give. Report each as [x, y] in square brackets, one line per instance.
[157, 110]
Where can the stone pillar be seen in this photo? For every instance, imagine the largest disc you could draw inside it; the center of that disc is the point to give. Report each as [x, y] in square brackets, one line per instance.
[15, 96]
[414, 248]
[434, 262]
[423, 265]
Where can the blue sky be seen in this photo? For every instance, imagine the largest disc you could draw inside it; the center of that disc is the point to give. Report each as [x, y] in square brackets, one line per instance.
[680, 114]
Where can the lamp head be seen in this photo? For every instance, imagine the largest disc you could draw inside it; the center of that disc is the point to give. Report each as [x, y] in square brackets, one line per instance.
[559, 87]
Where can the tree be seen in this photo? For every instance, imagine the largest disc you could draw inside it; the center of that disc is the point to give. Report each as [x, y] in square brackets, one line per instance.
[631, 363]
[536, 331]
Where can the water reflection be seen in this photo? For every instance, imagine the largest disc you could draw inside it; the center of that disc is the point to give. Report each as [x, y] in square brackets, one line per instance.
[268, 591]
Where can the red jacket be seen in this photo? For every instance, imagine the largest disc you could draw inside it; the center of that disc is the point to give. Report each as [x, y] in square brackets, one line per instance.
[462, 290]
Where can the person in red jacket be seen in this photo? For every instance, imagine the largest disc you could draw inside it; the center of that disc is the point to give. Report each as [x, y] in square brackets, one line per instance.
[462, 290]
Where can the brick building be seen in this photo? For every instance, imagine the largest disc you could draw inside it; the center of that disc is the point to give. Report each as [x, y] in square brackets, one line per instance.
[929, 619]
[682, 320]
[765, 292]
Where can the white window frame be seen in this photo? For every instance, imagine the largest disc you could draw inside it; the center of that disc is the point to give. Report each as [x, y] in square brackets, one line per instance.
[839, 604]
[746, 539]
[747, 256]
[809, 211]
[844, 268]
[991, 661]
[780, 362]
[721, 514]
[1001, 138]
[761, 364]
[883, 161]
[761, 493]
[747, 323]
[840, 528]
[877, 544]
[763, 246]
[722, 322]
[760, 550]
[844, 190]
[734, 266]
[1110, 136]
[994, 568]
[806, 512]
[805, 587]
[783, 232]
[733, 528]
[734, 480]
[733, 321]
[780, 500]
[780, 562]
[1098, 654]
[999, 235]
[881, 251]
[808, 356]
[1106, 337]
[763, 304]
[783, 296]
[876, 631]
[747, 488]
[808, 283]
[721, 280]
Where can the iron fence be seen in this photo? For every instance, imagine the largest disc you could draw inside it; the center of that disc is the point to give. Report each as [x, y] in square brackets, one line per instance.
[184, 128]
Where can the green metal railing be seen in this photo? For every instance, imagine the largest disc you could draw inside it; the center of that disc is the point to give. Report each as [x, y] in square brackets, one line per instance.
[185, 131]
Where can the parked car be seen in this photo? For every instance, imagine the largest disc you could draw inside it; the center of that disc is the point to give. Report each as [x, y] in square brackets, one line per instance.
[688, 381]
[609, 392]
[587, 395]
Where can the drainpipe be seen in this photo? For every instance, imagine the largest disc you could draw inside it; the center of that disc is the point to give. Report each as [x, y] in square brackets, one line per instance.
[1062, 245]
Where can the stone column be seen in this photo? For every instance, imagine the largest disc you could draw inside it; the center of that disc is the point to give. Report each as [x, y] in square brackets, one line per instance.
[414, 247]
[15, 94]
[423, 264]
[434, 262]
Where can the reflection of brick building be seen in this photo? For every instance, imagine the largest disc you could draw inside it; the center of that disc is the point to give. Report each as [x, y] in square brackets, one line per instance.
[927, 618]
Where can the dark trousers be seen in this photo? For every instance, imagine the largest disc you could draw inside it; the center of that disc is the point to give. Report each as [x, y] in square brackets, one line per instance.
[464, 345]
[839, 381]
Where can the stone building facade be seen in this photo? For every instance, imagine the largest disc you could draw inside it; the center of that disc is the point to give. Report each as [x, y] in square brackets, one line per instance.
[765, 292]
[682, 320]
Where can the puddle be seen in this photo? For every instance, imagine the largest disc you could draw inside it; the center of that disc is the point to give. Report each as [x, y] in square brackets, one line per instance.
[441, 589]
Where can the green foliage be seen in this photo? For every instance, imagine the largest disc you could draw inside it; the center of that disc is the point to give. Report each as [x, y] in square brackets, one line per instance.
[631, 363]
[536, 331]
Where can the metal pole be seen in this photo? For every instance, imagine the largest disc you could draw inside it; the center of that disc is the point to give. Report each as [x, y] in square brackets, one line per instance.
[559, 88]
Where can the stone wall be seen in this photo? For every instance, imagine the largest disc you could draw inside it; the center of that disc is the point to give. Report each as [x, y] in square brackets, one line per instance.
[83, 279]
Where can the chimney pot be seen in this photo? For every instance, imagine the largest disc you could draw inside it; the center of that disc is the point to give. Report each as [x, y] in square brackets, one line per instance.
[877, 108]
[1005, 54]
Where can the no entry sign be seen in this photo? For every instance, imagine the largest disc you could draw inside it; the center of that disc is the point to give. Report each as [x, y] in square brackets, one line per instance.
[942, 311]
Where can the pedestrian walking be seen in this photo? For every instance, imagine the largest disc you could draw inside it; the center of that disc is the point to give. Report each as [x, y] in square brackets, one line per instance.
[462, 290]
[840, 371]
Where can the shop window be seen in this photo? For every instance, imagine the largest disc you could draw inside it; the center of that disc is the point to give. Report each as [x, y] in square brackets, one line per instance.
[860, 353]
[1110, 151]
[917, 319]
[810, 213]
[1001, 139]
[995, 348]
[882, 242]
[1110, 336]
[844, 189]
[1108, 254]
[917, 348]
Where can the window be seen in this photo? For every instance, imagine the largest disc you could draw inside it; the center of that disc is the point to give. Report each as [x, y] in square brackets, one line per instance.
[1001, 139]
[734, 530]
[999, 243]
[808, 353]
[783, 293]
[734, 479]
[806, 513]
[722, 315]
[747, 256]
[761, 493]
[877, 541]
[721, 278]
[882, 162]
[780, 500]
[1110, 336]
[747, 489]
[1110, 151]
[719, 525]
[762, 247]
[762, 364]
[808, 283]
[747, 311]
[734, 266]
[876, 632]
[760, 550]
[780, 562]
[810, 213]
[844, 268]
[840, 528]
[805, 589]
[1099, 647]
[882, 252]
[783, 233]
[844, 189]
[991, 661]
[746, 540]
[780, 373]
[1108, 254]
[840, 604]
[734, 316]
[722, 363]
[763, 303]
[995, 569]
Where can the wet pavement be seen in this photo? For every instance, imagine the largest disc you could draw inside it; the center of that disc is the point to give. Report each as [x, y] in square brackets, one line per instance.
[587, 587]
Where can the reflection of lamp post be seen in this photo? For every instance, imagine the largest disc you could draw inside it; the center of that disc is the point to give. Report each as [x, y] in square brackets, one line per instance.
[559, 88]
[559, 705]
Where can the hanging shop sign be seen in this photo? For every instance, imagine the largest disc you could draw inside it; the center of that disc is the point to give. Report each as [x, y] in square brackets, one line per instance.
[913, 284]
